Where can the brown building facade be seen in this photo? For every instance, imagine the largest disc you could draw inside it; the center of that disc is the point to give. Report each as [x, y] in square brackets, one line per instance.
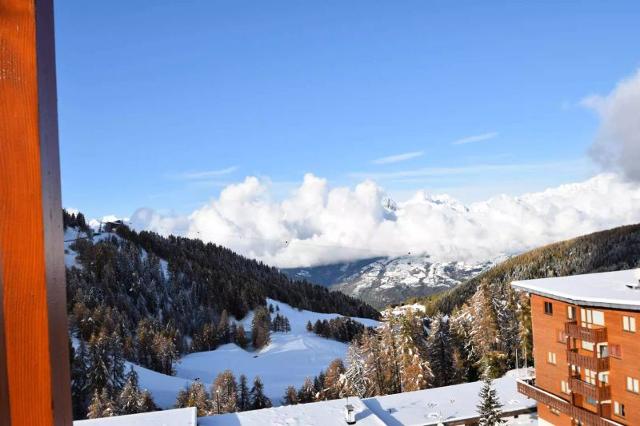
[587, 352]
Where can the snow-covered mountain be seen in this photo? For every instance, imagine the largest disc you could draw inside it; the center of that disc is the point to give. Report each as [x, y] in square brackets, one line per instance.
[384, 281]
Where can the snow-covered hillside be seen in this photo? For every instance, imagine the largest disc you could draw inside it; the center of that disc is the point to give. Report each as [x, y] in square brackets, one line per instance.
[287, 360]
[384, 281]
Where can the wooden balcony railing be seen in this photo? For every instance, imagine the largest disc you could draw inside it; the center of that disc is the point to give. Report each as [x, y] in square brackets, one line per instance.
[593, 335]
[598, 393]
[586, 417]
[590, 362]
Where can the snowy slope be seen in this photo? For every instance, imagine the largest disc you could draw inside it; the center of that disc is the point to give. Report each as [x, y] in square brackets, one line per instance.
[287, 360]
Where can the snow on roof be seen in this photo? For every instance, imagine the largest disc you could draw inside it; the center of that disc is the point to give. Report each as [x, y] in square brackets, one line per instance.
[177, 417]
[426, 407]
[325, 413]
[604, 289]
[446, 404]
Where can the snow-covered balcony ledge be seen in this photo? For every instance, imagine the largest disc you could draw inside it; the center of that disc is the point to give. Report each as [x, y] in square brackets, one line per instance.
[177, 417]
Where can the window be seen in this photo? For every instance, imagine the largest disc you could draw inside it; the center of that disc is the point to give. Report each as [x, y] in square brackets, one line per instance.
[548, 308]
[551, 358]
[590, 376]
[615, 351]
[590, 318]
[587, 345]
[554, 410]
[571, 312]
[562, 336]
[629, 324]
[604, 378]
[633, 385]
[618, 409]
[565, 387]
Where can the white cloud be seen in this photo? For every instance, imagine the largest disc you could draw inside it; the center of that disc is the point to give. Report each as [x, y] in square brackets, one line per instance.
[205, 174]
[318, 224]
[475, 138]
[617, 144]
[476, 169]
[398, 157]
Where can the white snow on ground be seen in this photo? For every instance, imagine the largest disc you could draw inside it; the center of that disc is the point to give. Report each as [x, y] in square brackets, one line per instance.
[177, 417]
[448, 403]
[325, 413]
[287, 360]
[164, 388]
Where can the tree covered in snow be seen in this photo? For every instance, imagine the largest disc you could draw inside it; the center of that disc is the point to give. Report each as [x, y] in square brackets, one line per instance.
[195, 395]
[489, 408]
[224, 393]
[355, 380]
[440, 350]
[101, 405]
[80, 383]
[307, 392]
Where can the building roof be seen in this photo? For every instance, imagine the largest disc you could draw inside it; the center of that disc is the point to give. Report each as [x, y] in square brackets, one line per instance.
[325, 413]
[448, 404]
[605, 289]
[176, 417]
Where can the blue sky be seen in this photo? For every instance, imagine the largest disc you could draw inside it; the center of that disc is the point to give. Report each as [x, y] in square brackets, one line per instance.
[163, 103]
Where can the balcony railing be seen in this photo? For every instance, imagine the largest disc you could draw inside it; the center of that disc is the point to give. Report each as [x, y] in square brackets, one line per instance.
[590, 362]
[593, 335]
[597, 393]
[586, 417]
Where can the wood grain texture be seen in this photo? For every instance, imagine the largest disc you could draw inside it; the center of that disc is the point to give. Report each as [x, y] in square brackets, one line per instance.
[31, 247]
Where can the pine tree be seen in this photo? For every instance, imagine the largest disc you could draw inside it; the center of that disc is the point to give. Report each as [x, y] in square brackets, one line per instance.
[224, 393]
[146, 403]
[244, 399]
[101, 405]
[260, 327]
[290, 396]
[440, 352]
[129, 398]
[415, 371]
[489, 409]
[223, 327]
[309, 326]
[241, 337]
[332, 381]
[355, 380]
[80, 385]
[258, 398]
[195, 395]
[307, 392]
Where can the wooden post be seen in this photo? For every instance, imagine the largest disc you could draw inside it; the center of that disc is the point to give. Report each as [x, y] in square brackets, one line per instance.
[35, 374]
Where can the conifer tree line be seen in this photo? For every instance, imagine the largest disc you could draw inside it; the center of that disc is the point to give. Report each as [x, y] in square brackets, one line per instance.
[149, 300]
[342, 329]
[490, 321]
[226, 395]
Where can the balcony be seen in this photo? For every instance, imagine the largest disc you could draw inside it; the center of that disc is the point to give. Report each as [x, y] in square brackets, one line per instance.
[593, 335]
[597, 393]
[586, 417]
[590, 362]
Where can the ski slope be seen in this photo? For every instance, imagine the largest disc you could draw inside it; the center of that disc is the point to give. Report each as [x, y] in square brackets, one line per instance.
[287, 360]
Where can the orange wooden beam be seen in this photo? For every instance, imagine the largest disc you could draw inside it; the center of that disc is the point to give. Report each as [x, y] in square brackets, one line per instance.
[32, 276]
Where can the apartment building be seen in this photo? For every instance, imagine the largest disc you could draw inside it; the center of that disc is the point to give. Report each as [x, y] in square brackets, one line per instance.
[586, 348]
